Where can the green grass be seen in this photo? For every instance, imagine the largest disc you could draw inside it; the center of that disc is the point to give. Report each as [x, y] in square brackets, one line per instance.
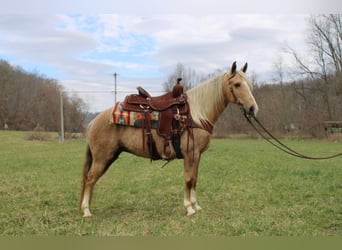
[245, 187]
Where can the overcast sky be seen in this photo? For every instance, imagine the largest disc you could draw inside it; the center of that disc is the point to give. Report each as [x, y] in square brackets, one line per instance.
[82, 48]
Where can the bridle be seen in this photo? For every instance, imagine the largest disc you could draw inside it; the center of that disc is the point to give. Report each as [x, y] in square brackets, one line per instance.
[236, 100]
[278, 144]
[231, 89]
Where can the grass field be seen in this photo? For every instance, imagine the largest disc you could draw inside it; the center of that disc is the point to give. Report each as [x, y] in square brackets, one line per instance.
[245, 187]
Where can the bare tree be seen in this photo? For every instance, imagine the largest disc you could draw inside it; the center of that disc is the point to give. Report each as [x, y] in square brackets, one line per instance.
[325, 42]
[30, 100]
[190, 77]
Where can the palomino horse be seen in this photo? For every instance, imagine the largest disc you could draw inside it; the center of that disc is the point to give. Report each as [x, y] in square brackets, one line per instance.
[207, 101]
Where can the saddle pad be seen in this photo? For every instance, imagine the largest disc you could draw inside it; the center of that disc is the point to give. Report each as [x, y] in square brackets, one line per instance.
[132, 118]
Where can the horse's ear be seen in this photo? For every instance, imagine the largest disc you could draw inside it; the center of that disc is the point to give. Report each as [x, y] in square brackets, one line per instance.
[233, 68]
[244, 68]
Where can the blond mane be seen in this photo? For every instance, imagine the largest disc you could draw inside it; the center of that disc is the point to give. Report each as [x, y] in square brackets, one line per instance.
[207, 100]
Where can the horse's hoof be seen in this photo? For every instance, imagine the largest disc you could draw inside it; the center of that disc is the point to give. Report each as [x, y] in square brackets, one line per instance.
[86, 213]
[198, 208]
[190, 211]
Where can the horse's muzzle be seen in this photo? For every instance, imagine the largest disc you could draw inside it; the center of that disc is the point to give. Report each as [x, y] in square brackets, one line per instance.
[250, 111]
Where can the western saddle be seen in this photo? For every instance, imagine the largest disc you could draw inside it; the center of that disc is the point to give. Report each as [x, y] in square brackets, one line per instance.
[174, 113]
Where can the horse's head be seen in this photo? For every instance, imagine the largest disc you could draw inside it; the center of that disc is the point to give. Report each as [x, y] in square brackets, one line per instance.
[238, 89]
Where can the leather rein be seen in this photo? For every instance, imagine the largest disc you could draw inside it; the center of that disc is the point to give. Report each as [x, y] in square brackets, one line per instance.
[278, 144]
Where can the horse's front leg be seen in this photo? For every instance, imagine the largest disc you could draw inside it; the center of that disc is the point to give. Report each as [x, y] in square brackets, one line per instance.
[191, 163]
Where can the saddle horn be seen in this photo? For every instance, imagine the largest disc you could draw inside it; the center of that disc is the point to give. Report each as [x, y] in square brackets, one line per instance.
[178, 89]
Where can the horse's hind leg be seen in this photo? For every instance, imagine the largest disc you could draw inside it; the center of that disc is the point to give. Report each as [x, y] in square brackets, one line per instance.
[95, 172]
[97, 169]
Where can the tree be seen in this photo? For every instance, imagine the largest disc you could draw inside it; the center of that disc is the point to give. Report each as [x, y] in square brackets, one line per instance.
[30, 100]
[190, 77]
[325, 43]
[75, 112]
[326, 40]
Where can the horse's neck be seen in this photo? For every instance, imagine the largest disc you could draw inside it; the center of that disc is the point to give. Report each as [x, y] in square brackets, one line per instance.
[207, 101]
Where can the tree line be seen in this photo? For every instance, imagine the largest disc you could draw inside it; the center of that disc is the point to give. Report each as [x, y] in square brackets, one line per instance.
[30, 101]
[302, 96]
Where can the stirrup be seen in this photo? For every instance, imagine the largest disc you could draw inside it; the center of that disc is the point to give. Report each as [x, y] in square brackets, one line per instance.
[172, 154]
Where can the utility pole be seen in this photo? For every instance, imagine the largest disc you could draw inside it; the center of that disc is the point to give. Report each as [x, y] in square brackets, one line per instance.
[115, 92]
[62, 116]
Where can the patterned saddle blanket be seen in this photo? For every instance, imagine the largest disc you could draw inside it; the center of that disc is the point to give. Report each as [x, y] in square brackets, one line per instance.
[124, 117]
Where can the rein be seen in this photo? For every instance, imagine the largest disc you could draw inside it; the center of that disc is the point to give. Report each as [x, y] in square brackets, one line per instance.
[281, 145]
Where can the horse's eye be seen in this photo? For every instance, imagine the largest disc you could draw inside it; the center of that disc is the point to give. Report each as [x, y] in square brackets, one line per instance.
[237, 85]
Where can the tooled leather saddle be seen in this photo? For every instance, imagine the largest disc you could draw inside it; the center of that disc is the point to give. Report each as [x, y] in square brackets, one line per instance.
[174, 111]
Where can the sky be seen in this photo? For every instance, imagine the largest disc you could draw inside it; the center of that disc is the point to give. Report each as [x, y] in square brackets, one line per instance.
[82, 46]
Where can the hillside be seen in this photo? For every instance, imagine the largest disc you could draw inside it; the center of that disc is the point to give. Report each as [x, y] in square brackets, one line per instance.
[30, 100]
